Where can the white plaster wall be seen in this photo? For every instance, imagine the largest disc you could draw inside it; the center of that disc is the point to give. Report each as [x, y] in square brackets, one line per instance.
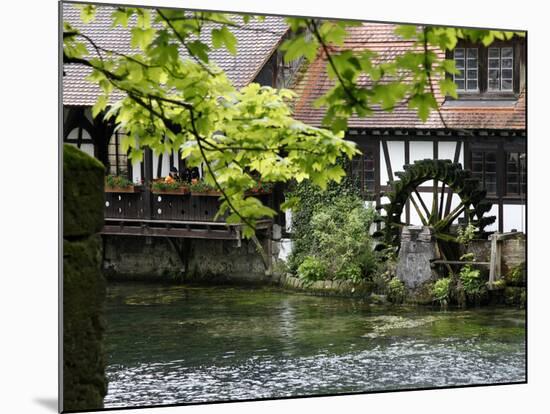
[428, 197]
[514, 218]
[419, 150]
[493, 212]
[165, 164]
[446, 151]
[136, 172]
[396, 150]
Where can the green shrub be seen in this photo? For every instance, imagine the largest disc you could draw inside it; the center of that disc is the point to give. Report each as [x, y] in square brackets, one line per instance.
[441, 290]
[118, 181]
[466, 234]
[472, 282]
[516, 275]
[312, 269]
[201, 187]
[350, 271]
[396, 291]
[166, 186]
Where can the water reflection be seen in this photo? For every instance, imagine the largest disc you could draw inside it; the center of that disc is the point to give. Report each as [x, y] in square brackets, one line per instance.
[171, 345]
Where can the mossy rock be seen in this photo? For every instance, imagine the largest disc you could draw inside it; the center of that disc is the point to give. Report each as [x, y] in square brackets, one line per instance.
[84, 382]
[83, 196]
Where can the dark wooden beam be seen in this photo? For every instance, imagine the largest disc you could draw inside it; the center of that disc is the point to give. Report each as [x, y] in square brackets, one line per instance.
[387, 160]
[145, 231]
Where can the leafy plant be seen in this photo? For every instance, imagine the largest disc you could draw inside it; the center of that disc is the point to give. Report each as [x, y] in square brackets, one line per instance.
[262, 187]
[516, 275]
[350, 271]
[396, 291]
[167, 186]
[192, 103]
[441, 290]
[466, 234]
[312, 269]
[201, 187]
[472, 282]
[117, 181]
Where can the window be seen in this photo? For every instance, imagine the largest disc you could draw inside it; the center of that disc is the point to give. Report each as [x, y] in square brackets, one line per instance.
[81, 138]
[501, 69]
[516, 174]
[363, 172]
[492, 72]
[484, 168]
[118, 159]
[501, 169]
[466, 61]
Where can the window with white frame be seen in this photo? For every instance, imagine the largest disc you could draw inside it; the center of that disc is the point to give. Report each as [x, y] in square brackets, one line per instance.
[466, 61]
[501, 69]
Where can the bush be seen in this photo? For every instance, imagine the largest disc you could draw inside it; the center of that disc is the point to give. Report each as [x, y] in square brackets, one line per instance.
[441, 290]
[312, 269]
[516, 275]
[472, 282]
[350, 271]
[333, 226]
[119, 181]
[396, 291]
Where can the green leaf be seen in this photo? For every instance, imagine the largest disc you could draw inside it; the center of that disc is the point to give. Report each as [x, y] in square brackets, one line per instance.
[199, 50]
[449, 66]
[87, 12]
[100, 105]
[142, 38]
[448, 87]
[406, 31]
[299, 46]
[424, 103]
[290, 204]
[120, 17]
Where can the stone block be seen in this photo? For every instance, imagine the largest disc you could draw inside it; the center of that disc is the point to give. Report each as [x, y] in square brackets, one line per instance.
[416, 252]
[83, 196]
[84, 382]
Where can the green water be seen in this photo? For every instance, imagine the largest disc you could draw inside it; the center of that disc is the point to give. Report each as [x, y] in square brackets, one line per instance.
[179, 344]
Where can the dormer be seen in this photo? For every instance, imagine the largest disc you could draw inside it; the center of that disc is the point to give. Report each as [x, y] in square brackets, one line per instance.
[494, 72]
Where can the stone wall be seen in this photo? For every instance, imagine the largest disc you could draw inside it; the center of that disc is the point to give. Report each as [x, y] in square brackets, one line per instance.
[328, 287]
[184, 260]
[84, 382]
[513, 251]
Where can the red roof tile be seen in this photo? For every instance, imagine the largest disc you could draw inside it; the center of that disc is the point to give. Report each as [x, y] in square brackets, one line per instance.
[254, 47]
[382, 39]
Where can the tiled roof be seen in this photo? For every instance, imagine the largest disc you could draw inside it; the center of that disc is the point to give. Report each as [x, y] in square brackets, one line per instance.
[255, 46]
[381, 38]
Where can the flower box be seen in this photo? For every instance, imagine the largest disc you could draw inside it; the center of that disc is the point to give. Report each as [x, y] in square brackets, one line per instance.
[128, 189]
[174, 191]
[209, 193]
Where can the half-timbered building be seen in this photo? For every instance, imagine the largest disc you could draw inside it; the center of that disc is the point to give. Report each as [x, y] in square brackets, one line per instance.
[139, 211]
[484, 129]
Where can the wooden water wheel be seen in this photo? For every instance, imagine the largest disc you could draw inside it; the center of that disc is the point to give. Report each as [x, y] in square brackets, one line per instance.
[448, 178]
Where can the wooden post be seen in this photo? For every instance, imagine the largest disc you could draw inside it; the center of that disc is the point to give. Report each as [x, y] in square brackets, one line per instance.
[495, 267]
[147, 179]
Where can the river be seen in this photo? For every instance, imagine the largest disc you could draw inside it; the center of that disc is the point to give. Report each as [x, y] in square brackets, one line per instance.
[183, 344]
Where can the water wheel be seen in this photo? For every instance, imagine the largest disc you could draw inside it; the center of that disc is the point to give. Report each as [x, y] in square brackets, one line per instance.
[448, 178]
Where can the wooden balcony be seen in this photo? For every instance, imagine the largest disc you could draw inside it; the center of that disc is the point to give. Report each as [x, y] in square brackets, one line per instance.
[141, 212]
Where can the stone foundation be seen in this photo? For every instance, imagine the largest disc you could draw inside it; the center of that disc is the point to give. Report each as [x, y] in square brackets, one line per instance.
[185, 260]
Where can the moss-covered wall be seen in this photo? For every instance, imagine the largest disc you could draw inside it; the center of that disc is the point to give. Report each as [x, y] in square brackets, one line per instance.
[189, 260]
[84, 382]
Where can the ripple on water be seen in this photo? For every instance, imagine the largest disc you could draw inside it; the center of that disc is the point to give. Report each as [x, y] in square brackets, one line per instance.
[239, 344]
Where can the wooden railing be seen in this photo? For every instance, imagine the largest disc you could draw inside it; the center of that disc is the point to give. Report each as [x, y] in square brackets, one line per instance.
[140, 212]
